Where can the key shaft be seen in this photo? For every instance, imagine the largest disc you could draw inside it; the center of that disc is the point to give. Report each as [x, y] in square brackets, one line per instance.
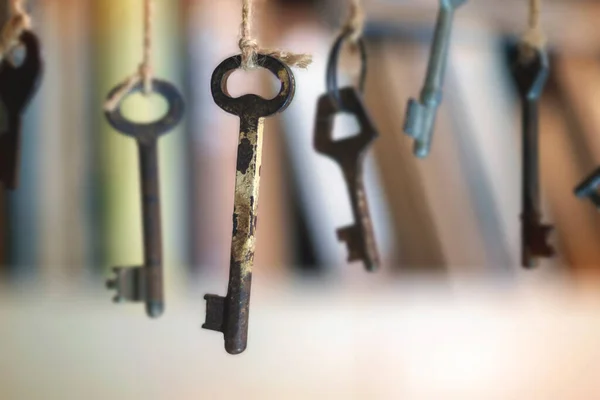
[151, 225]
[421, 113]
[243, 242]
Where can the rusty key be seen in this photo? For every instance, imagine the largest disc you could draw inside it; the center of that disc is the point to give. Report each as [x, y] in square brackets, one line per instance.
[349, 153]
[18, 84]
[145, 283]
[589, 188]
[229, 314]
[530, 75]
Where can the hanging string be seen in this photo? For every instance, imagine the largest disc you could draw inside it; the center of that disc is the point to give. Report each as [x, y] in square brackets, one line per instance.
[534, 37]
[144, 73]
[19, 21]
[249, 46]
[355, 23]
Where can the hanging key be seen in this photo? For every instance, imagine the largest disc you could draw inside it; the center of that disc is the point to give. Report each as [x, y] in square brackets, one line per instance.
[145, 283]
[589, 188]
[18, 84]
[421, 114]
[531, 74]
[229, 314]
[349, 153]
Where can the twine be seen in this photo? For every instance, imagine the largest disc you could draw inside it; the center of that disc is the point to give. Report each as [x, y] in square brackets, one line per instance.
[534, 38]
[145, 71]
[19, 21]
[355, 23]
[250, 49]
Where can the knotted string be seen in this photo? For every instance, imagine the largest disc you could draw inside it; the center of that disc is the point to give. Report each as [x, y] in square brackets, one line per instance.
[145, 71]
[250, 49]
[11, 32]
[355, 23]
[534, 38]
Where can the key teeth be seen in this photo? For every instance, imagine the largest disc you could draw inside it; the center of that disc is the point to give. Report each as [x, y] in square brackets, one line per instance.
[413, 123]
[215, 313]
[128, 283]
[537, 245]
[351, 237]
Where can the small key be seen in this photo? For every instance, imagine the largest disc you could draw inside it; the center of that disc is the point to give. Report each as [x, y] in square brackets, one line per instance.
[420, 114]
[145, 283]
[530, 76]
[589, 188]
[349, 153]
[18, 84]
[229, 314]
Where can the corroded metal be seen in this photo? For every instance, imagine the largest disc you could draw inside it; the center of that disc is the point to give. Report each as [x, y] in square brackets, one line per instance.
[421, 114]
[145, 283]
[589, 188]
[18, 84]
[229, 314]
[349, 153]
[530, 76]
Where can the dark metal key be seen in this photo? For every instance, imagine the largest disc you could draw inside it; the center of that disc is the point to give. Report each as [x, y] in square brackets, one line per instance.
[145, 283]
[530, 75]
[349, 153]
[589, 188]
[18, 84]
[229, 314]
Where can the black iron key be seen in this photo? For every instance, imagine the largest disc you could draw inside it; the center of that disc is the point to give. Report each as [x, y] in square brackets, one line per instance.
[589, 188]
[349, 153]
[145, 283]
[530, 75]
[18, 84]
[229, 314]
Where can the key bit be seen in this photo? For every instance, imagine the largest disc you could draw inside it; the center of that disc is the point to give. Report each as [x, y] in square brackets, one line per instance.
[530, 74]
[18, 84]
[230, 314]
[145, 283]
[421, 114]
[589, 188]
[349, 153]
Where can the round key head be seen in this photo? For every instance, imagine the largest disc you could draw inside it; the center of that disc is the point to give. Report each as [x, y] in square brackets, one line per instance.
[145, 132]
[251, 103]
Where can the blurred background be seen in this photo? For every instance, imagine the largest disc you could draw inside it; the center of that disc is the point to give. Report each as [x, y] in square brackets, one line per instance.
[450, 315]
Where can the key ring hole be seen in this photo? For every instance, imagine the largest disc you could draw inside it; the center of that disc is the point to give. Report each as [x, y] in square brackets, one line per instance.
[17, 55]
[259, 81]
[173, 115]
[333, 65]
[144, 109]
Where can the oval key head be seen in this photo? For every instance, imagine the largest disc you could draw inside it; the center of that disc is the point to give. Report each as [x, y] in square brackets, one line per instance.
[258, 105]
[146, 132]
